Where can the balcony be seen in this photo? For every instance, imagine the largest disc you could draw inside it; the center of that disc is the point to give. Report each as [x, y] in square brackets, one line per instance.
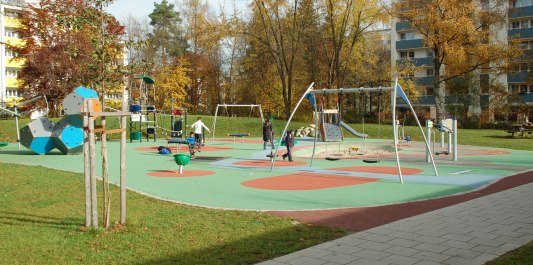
[427, 61]
[521, 12]
[11, 22]
[517, 77]
[424, 81]
[14, 41]
[19, 3]
[409, 44]
[521, 33]
[403, 26]
[13, 63]
[528, 98]
[12, 82]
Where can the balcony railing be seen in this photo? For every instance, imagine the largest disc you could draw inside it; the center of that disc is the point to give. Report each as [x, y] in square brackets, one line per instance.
[427, 61]
[526, 11]
[409, 44]
[521, 33]
[404, 25]
[517, 77]
[19, 3]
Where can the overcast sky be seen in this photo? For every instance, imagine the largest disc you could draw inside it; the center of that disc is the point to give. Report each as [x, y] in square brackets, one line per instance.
[141, 8]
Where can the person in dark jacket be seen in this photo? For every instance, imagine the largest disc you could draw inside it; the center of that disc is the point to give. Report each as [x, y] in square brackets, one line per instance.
[289, 143]
[268, 134]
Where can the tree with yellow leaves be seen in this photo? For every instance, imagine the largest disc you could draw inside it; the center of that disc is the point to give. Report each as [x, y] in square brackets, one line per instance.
[170, 92]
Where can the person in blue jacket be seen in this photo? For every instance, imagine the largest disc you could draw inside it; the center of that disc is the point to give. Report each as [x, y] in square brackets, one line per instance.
[191, 141]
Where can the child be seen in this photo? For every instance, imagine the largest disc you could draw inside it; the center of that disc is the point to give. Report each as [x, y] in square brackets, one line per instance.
[289, 143]
[198, 126]
[191, 141]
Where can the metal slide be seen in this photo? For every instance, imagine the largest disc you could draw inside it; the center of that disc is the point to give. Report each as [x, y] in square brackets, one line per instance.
[352, 131]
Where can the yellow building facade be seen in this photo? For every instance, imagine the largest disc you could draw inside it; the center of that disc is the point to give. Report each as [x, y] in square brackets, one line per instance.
[10, 11]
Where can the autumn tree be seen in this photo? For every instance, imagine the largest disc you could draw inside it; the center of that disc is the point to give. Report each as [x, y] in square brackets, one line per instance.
[60, 50]
[461, 37]
[170, 89]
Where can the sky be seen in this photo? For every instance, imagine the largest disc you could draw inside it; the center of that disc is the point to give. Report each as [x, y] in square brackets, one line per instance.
[141, 8]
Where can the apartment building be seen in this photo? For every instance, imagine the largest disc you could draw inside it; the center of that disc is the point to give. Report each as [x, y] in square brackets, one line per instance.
[9, 13]
[407, 45]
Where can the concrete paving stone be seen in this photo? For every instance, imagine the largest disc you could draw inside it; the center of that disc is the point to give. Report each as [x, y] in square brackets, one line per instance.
[431, 239]
[306, 261]
[489, 250]
[427, 262]
[486, 242]
[339, 258]
[457, 261]
[484, 258]
[271, 262]
[314, 252]
[364, 261]
[483, 235]
[402, 251]
[431, 256]
[353, 241]
[374, 246]
[509, 246]
[399, 260]
[372, 254]
[381, 231]
[403, 242]
[431, 247]
[432, 232]
[527, 237]
[500, 220]
[458, 244]
[458, 237]
[525, 230]
[404, 235]
[346, 249]
[513, 240]
[378, 238]
[461, 253]
[288, 257]
[507, 233]
[327, 245]
[459, 230]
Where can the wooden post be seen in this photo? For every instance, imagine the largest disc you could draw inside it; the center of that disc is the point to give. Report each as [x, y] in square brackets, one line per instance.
[123, 171]
[92, 162]
[105, 176]
[86, 171]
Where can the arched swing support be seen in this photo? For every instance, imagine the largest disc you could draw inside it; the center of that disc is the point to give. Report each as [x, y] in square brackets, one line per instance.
[397, 91]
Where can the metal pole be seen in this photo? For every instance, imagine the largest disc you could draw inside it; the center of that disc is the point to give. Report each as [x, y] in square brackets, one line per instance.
[455, 140]
[395, 129]
[315, 116]
[215, 121]
[429, 124]
[17, 123]
[310, 88]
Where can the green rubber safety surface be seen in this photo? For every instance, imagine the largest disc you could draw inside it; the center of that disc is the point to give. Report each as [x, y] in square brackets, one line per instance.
[221, 174]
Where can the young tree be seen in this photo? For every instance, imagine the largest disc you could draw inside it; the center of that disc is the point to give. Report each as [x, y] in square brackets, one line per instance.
[461, 36]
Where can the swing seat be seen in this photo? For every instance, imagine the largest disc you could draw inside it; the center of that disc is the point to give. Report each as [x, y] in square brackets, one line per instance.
[332, 158]
[272, 155]
[371, 160]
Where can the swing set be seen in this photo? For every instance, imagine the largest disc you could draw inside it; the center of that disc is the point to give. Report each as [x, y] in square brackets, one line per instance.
[396, 90]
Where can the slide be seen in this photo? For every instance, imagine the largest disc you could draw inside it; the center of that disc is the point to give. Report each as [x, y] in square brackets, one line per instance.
[352, 131]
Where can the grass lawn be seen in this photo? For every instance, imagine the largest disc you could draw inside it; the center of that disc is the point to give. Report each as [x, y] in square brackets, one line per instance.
[519, 256]
[42, 215]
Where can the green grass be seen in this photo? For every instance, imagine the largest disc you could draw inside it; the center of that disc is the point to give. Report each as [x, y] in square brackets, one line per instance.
[252, 125]
[42, 215]
[519, 256]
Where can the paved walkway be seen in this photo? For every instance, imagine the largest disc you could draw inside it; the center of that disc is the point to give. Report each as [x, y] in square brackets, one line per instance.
[472, 232]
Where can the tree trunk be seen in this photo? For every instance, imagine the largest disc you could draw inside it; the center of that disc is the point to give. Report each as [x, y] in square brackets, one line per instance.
[439, 89]
[474, 110]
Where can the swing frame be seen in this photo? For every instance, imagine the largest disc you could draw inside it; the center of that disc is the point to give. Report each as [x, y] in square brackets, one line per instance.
[396, 90]
[236, 105]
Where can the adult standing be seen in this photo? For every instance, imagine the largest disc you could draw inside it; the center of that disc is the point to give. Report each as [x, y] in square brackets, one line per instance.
[268, 134]
[197, 127]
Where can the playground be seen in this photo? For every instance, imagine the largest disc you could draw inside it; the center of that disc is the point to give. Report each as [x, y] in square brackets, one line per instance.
[231, 174]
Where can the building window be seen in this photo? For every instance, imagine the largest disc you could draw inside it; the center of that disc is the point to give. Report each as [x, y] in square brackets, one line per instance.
[430, 53]
[523, 89]
[407, 36]
[12, 73]
[429, 91]
[10, 53]
[12, 14]
[12, 93]
[405, 55]
[11, 32]
[485, 4]
[430, 72]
